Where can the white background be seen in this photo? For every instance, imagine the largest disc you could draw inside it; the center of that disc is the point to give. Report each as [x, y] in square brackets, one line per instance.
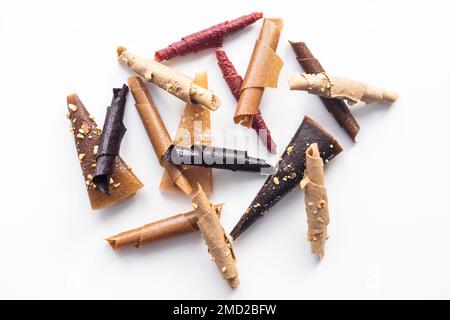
[389, 231]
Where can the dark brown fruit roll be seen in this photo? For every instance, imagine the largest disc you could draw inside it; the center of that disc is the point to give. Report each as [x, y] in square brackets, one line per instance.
[336, 107]
[290, 172]
[110, 139]
[215, 157]
[124, 183]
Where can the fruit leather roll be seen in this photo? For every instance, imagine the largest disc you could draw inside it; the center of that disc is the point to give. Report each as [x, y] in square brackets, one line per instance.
[337, 87]
[220, 247]
[156, 131]
[110, 139]
[208, 38]
[234, 82]
[316, 200]
[174, 82]
[336, 107]
[263, 71]
[215, 157]
[168, 228]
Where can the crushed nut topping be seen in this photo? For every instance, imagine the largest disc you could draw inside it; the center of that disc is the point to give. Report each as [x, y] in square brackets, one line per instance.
[289, 150]
[276, 181]
[95, 149]
[321, 204]
[72, 107]
[81, 156]
[85, 127]
[80, 136]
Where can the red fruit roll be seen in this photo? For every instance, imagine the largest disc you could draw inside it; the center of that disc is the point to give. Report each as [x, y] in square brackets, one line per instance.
[234, 82]
[208, 38]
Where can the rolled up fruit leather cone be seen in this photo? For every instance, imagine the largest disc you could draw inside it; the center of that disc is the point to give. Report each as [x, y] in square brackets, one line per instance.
[290, 172]
[124, 183]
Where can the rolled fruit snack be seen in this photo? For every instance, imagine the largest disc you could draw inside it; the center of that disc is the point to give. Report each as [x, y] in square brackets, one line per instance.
[168, 228]
[157, 132]
[194, 128]
[208, 38]
[337, 108]
[124, 183]
[219, 245]
[234, 82]
[337, 87]
[215, 157]
[290, 172]
[174, 82]
[110, 139]
[316, 200]
[263, 71]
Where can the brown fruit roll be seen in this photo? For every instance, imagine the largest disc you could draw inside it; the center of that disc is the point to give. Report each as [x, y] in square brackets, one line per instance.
[234, 82]
[156, 131]
[168, 228]
[263, 71]
[336, 107]
[316, 200]
[124, 183]
[290, 172]
[219, 245]
[337, 87]
[174, 82]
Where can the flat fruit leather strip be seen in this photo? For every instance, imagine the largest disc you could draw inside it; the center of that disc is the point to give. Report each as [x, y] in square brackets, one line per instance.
[194, 128]
[291, 168]
[316, 200]
[168, 228]
[208, 38]
[234, 82]
[156, 131]
[215, 157]
[263, 71]
[336, 107]
[219, 245]
[172, 81]
[87, 141]
[337, 87]
[110, 139]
